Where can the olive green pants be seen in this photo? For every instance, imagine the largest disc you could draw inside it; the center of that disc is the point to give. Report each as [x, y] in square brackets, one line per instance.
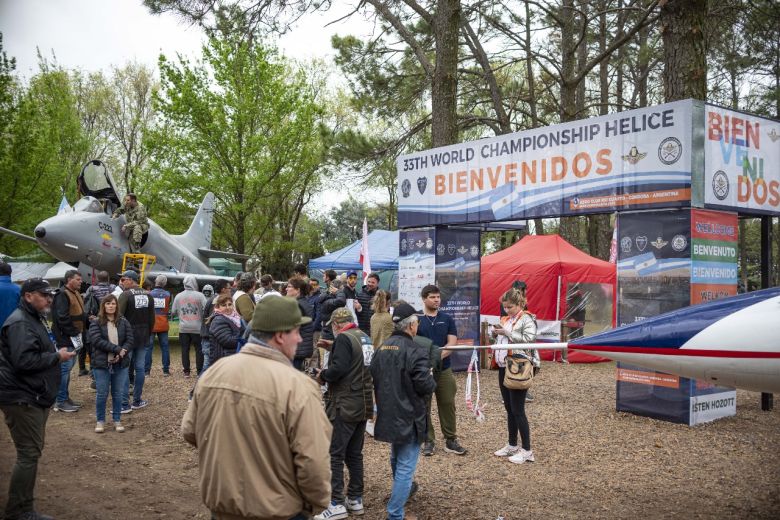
[27, 424]
[445, 402]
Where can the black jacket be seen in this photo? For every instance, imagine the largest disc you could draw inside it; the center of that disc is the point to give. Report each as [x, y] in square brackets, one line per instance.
[306, 346]
[137, 306]
[223, 335]
[29, 362]
[349, 380]
[402, 384]
[208, 310]
[328, 304]
[101, 346]
[364, 316]
[62, 322]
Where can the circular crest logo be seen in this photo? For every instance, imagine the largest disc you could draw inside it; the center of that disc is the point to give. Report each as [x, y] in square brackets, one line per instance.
[440, 249]
[670, 150]
[720, 185]
[679, 243]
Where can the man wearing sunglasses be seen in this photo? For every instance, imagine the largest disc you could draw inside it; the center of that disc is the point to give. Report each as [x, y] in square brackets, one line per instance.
[29, 382]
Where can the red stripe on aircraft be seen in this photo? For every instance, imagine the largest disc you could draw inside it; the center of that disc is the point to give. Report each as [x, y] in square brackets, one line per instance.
[680, 352]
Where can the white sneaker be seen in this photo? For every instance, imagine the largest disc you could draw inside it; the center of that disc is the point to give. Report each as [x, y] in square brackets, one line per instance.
[522, 456]
[100, 427]
[334, 512]
[507, 451]
[355, 506]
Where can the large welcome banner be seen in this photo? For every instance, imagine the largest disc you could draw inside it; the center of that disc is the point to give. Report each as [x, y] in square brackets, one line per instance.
[741, 161]
[630, 160]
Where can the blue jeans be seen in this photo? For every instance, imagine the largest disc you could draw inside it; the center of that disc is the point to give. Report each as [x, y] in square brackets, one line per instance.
[162, 338]
[115, 378]
[65, 368]
[205, 348]
[403, 461]
[137, 358]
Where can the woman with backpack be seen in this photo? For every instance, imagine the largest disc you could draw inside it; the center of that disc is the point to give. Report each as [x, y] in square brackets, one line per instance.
[518, 326]
[111, 337]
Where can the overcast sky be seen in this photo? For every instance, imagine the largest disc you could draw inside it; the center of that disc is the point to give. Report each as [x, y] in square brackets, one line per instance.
[95, 34]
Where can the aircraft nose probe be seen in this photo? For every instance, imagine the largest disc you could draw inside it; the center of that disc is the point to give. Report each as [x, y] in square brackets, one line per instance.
[40, 231]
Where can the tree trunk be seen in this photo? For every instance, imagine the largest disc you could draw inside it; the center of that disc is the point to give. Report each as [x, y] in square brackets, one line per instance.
[685, 53]
[444, 90]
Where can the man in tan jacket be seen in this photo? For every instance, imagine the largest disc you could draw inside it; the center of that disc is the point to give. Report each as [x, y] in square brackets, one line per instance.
[262, 435]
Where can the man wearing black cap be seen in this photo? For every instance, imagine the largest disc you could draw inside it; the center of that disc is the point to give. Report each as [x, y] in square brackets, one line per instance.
[285, 472]
[403, 381]
[29, 381]
[137, 306]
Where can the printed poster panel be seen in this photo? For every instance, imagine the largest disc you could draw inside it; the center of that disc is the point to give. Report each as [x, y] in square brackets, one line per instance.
[710, 402]
[714, 255]
[637, 159]
[416, 264]
[741, 162]
[457, 276]
[654, 265]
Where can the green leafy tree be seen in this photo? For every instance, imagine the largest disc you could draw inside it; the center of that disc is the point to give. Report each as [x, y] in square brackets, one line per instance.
[243, 124]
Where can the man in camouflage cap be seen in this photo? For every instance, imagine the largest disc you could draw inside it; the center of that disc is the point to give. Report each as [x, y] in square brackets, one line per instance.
[137, 222]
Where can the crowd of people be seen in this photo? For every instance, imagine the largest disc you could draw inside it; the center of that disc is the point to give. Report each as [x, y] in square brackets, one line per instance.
[267, 356]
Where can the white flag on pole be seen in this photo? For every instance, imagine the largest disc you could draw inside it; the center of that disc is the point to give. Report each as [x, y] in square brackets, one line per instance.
[365, 261]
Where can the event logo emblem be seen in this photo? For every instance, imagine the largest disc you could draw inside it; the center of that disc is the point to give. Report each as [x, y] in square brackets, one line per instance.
[641, 242]
[429, 243]
[406, 187]
[462, 250]
[659, 243]
[440, 249]
[634, 156]
[679, 243]
[670, 150]
[422, 182]
[474, 250]
[720, 185]
[625, 244]
[773, 135]
[403, 244]
[451, 249]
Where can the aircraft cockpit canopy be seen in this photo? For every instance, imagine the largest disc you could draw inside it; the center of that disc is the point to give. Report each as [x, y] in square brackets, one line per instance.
[88, 204]
[95, 181]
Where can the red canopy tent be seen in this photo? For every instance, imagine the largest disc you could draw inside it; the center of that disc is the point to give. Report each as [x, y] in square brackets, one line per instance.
[547, 264]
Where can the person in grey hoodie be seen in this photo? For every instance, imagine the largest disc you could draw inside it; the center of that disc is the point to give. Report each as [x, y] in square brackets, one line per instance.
[188, 306]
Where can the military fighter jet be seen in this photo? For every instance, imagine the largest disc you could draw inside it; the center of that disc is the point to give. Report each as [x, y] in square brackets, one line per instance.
[89, 235]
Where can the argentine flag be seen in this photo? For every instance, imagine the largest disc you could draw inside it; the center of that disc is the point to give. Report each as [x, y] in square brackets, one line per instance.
[64, 206]
[501, 200]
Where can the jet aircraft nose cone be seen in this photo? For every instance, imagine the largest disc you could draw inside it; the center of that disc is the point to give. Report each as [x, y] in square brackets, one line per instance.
[40, 232]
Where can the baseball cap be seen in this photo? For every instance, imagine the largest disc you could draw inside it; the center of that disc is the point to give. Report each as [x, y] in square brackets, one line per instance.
[37, 285]
[341, 315]
[351, 273]
[277, 314]
[402, 311]
[130, 274]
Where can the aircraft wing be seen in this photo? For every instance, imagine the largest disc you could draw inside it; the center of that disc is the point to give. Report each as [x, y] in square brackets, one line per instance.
[174, 276]
[17, 235]
[213, 253]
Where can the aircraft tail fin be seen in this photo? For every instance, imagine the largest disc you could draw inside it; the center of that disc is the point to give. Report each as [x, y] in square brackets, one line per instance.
[199, 233]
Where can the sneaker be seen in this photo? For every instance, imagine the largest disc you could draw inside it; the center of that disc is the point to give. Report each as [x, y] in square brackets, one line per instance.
[93, 385]
[355, 506]
[166, 374]
[334, 512]
[77, 404]
[522, 456]
[413, 490]
[452, 446]
[119, 428]
[83, 372]
[66, 407]
[529, 397]
[100, 427]
[428, 448]
[186, 374]
[140, 404]
[507, 451]
[126, 409]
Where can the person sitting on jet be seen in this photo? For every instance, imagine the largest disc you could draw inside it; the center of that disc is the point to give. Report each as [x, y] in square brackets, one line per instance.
[137, 221]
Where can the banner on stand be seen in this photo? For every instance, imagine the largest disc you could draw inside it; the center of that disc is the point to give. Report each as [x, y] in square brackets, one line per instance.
[416, 263]
[714, 255]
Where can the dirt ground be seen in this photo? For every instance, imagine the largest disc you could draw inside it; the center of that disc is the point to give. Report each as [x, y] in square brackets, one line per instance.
[591, 462]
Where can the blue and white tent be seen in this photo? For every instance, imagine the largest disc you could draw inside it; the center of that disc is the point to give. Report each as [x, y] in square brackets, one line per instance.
[382, 245]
